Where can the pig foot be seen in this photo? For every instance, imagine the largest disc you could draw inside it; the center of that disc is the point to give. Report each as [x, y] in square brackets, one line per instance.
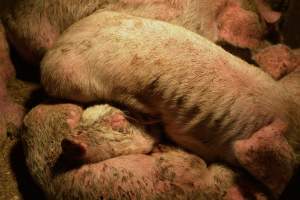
[267, 156]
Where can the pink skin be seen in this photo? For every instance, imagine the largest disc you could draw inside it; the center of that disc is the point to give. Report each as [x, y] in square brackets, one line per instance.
[7, 70]
[39, 34]
[234, 193]
[277, 60]
[3, 90]
[237, 192]
[117, 121]
[266, 12]
[88, 145]
[251, 153]
[11, 112]
[240, 27]
[268, 156]
[3, 127]
[73, 119]
[292, 84]
[281, 63]
[165, 172]
[72, 114]
[32, 49]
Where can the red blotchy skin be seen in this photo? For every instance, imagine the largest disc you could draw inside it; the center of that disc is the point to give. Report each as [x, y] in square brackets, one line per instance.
[277, 60]
[117, 121]
[239, 26]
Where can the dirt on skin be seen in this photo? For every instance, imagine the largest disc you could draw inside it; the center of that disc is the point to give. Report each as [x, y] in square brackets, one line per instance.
[15, 180]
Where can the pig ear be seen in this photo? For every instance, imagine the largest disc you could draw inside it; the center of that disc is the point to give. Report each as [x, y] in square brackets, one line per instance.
[266, 12]
[267, 156]
[73, 148]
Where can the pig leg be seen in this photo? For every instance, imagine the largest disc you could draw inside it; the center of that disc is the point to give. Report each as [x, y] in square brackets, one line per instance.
[268, 156]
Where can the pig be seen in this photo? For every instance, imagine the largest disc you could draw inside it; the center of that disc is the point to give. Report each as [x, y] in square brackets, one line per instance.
[34, 25]
[292, 80]
[283, 64]
[3, 130]
[90, 142]
[7, 70]
[210, 102]
[292, 84]
[166, 173]
[266, 10]
[233, 21]
[11, 113]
